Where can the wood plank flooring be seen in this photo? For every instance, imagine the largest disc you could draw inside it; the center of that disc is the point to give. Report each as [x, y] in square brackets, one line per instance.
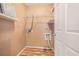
[37, 52]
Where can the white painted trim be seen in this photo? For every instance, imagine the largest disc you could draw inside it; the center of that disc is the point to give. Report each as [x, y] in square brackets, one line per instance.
[38, 47]
[8, 18]
[21, 51]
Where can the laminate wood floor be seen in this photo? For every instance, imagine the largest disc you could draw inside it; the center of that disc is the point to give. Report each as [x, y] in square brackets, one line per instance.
[37, 52]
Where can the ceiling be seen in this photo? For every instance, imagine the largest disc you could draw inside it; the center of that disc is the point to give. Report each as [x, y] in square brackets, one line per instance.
[34, 4]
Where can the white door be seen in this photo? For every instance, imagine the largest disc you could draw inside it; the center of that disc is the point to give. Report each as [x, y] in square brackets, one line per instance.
[67, 29]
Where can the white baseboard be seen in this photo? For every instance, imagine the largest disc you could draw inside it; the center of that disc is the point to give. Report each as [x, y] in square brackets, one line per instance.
[38, 47]
[21, 51]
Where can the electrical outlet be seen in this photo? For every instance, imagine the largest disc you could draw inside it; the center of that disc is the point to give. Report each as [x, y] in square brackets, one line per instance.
[47, 36]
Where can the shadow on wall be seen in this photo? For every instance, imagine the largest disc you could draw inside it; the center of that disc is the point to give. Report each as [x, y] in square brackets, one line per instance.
[6, 33]
[51, 25]
[6, 25]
